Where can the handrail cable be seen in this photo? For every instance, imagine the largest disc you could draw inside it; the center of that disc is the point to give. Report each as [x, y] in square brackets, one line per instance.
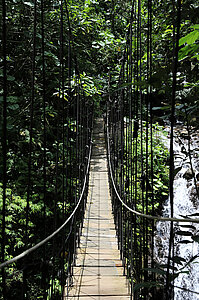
[28, 251]
[157, 218]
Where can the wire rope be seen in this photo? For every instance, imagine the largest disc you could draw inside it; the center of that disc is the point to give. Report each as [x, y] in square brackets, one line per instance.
[30, 250]
[32, 100]
[4, 140]
[44, 137]
[151, 217]
[176, 35]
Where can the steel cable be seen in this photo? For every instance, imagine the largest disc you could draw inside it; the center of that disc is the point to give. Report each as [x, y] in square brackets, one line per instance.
[176, 36]
[151, 217]
[30, 250]
[4, 139]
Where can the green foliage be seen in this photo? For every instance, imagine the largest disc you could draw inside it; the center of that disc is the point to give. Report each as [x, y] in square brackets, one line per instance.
[146, 192]
[98, 41]
[191, 37]
[49, 204]
[160, 166]
[147, 285]
[190, 47]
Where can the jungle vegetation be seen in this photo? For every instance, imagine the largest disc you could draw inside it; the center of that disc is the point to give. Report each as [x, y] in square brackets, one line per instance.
[96, 31]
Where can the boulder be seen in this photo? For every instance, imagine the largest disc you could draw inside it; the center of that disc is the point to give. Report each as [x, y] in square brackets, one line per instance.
[188, 174]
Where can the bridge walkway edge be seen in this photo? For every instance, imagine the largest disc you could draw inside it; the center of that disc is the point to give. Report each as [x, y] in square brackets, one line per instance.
[98, 273]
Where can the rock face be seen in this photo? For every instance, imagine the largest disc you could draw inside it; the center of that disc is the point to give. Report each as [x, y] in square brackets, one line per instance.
[188, 174]
[194, 195]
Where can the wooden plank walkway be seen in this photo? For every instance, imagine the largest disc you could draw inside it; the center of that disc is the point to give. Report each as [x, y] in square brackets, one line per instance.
[98, 273]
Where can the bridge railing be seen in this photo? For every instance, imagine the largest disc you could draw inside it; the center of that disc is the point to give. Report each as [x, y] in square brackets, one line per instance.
[141, 159]
[137, 209]
[45, 150]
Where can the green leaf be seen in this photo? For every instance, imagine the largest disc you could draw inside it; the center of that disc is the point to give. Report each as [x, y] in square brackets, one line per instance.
[188, 50]
[190, 261]
[148, 285]
[196, 26]
[178, 260]
[165, 266]
[196, 56]
[12, 99]
[13, 106]
[182, 54]
[10, 78]
[161, 107]
[190, 38]
[177, 170]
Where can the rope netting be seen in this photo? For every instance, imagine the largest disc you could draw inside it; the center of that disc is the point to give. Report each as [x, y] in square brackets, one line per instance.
[44, 182]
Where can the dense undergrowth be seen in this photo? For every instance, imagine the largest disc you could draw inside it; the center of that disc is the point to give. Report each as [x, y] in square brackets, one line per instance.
[156, 155]
[148, 189]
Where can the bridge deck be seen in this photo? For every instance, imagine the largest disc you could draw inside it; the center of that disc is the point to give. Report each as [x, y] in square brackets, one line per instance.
[98, 273]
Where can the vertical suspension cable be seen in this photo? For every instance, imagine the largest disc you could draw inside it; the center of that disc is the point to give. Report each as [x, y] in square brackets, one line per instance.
[147, 138]
[150, 149]
[135, 154]
[128, 146]
[69, 182]
[63, 132]
[121, 154]
[29, 189]
[56, 187]
[44, 111]
[117, 155]
[132, 165]
[77, 175]
[78, 156]
[140, 118]
[4, 142]
[57, 162]
[44, 139]
[62, 99]
[68, 160]
[131, 152]
[149, 60]
[126, 162]
[176, 34]
[56, 199]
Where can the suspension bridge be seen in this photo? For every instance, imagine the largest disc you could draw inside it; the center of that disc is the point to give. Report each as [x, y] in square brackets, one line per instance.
[98, 272]
[81, 195]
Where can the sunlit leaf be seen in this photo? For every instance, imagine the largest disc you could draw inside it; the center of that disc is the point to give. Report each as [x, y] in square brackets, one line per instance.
[190, 38]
